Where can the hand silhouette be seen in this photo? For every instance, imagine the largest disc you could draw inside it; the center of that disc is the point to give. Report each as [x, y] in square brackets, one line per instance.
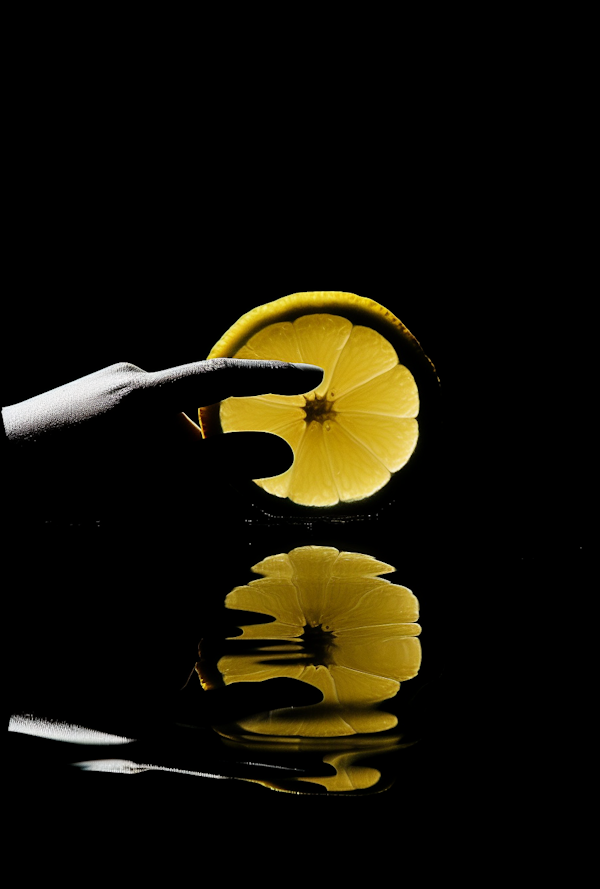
[119, 436]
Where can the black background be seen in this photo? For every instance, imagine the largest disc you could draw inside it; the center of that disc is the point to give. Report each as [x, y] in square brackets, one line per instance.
[113, 261]
[106, 621]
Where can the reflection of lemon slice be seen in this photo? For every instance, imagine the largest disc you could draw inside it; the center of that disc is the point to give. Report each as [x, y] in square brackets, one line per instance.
[337, 626]
[359, 427]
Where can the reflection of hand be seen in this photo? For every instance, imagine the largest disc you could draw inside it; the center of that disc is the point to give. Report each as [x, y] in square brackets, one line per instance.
[120, 431]
[166, 741]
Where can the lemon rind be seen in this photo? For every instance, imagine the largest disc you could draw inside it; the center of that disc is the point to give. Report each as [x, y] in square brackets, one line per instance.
[288, 307]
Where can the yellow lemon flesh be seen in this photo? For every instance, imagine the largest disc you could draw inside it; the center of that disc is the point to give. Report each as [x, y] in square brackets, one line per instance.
[359, 427]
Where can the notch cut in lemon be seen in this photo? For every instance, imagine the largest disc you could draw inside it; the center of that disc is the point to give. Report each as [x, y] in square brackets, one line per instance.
[353, 432]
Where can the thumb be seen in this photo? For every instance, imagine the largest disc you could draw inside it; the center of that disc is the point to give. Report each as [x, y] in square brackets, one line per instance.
[245, 455]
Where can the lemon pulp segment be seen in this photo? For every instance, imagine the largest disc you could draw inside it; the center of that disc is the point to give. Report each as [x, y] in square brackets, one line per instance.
[351, 433]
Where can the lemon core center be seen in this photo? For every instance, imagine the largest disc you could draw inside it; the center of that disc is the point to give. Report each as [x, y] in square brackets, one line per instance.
[319, 644]
[318, 409]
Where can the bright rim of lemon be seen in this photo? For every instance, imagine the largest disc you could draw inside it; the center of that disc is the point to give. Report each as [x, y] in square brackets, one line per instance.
[359, 427]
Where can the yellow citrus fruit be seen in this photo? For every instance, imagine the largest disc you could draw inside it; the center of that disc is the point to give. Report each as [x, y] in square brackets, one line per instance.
[354, 432]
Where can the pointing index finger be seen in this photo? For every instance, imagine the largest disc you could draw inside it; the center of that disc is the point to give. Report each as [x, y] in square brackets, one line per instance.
[213, 380]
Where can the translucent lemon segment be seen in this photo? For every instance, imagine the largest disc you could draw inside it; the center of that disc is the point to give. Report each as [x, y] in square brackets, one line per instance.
[276, 596]
[353, 564]
[312, 482]
[362, 601]
[351, 433]
[324, 338]
[313, 564]
[259, 413]
[391, 440]
[356, 689]
[355, 467]
[393, 393]
[348, 777]
[279, 565]
[390, 654]
[277, 342]
[254, 669]
[366, 355]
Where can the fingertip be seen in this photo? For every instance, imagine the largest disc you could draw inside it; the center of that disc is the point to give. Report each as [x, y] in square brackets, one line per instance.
[303, 378]
[308, 368]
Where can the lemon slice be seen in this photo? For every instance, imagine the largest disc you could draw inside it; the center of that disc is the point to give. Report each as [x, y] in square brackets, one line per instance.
[359, 427]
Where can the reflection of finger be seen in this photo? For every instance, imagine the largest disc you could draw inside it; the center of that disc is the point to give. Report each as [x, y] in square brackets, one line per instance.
[236, 702]
[206, 382]
[246, 454]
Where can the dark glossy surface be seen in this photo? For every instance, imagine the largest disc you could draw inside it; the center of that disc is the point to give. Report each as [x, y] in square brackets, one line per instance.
[105, 620]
